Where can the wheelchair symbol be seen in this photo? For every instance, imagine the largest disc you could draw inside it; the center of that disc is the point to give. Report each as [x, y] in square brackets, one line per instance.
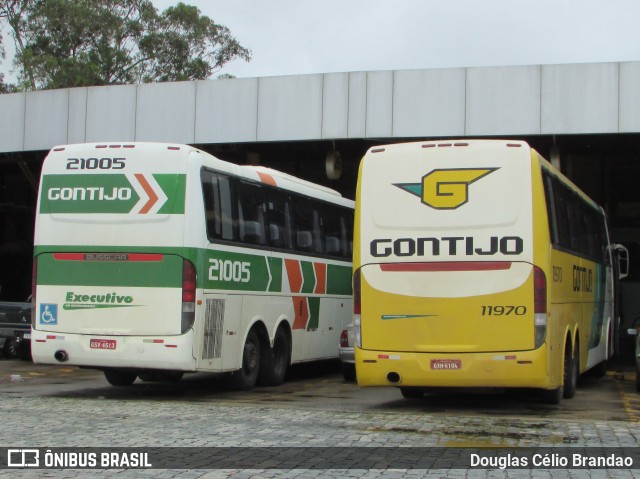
[49, 314]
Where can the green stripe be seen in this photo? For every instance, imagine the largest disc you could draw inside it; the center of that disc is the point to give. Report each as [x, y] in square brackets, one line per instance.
[314, 313]
[308, 277]
[276, 265]
[151, 274]
[175, 187]
[87, 194]
[105, 193]
[339, 280]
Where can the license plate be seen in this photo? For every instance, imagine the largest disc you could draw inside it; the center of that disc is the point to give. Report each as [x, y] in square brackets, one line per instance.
[26, 336]
[442, 364]
[102, 344]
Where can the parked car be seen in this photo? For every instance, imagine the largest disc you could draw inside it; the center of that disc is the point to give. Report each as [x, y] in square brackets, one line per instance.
[347, 354]
[15, 328]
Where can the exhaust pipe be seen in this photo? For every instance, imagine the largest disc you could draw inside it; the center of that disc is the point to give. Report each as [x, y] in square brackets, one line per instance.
[393, 377]
[61, 356]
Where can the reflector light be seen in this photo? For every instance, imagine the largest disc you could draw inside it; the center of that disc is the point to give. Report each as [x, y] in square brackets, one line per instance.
[134, 257]
[448, 266]
[115, 146]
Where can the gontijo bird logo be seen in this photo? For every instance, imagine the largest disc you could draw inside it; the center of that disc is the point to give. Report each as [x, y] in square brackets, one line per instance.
[445, 189]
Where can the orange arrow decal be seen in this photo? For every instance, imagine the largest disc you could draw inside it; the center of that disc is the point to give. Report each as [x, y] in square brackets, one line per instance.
[153, 198]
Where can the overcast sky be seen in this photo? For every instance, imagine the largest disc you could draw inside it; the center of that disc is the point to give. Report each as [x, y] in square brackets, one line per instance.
[304, 36]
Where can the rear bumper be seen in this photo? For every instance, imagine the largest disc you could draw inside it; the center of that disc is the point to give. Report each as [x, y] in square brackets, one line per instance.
[526, 369]
[157, 352]
[9, 331]
[347, 355]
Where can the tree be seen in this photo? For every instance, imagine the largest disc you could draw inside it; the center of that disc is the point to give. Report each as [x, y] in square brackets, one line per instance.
[13, 12]
[70, 43]
[3, 87]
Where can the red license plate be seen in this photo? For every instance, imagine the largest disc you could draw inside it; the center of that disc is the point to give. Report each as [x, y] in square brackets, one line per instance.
[443, 364]
[102, 343]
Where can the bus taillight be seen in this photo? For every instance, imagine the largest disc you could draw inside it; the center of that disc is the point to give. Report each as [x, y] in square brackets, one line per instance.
[188, 295]
[344, 339]
[540, 305]
[357, 308]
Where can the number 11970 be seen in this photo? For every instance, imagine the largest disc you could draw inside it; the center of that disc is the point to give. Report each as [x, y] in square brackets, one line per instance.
[504, 310]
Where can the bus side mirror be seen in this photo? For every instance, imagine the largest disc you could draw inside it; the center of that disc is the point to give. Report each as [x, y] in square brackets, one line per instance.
[621, 254]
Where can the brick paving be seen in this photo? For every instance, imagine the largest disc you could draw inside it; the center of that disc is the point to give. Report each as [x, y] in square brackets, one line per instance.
[89, 422]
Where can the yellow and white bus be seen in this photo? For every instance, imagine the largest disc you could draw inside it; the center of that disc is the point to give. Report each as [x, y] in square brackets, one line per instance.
[478, 264]
[152, 260]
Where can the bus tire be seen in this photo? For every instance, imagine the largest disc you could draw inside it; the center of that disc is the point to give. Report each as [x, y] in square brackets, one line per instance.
[570, 374]
[551, 396]
[600, 369]
[12, 347]
[245, 378]
[120, 377]
[349, 372]
[412, 393]
[148, 376]
[169, 376]
[275, 361]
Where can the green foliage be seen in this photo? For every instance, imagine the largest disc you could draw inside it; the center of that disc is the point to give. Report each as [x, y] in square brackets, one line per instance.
[72, 43]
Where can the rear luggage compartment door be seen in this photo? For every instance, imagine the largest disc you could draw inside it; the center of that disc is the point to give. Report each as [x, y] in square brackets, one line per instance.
[109, 293]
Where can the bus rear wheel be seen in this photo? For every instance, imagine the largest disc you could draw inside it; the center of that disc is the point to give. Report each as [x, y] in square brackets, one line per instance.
[551, 396]
[120, 377]
[571, 365]
[412, 393]
[274, 361]
[245, 378]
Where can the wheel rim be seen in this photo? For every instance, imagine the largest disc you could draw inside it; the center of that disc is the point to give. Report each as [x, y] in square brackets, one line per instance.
[250, 357]
[280, 353]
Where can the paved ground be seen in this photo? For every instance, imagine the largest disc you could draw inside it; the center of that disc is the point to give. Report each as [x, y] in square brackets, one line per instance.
[66, 407]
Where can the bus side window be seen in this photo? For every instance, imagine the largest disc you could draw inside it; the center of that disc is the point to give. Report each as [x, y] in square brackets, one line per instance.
[318, 233]
[334, 231]
[216, 190]
[251, 213]
[349, 226]
[563, 215]
[278, 229]
[303, 224]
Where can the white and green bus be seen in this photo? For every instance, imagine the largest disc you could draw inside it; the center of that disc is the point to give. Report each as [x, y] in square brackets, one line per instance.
[151, 260]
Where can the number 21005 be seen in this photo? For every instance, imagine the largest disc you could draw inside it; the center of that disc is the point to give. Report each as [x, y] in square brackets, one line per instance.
[504, 310]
